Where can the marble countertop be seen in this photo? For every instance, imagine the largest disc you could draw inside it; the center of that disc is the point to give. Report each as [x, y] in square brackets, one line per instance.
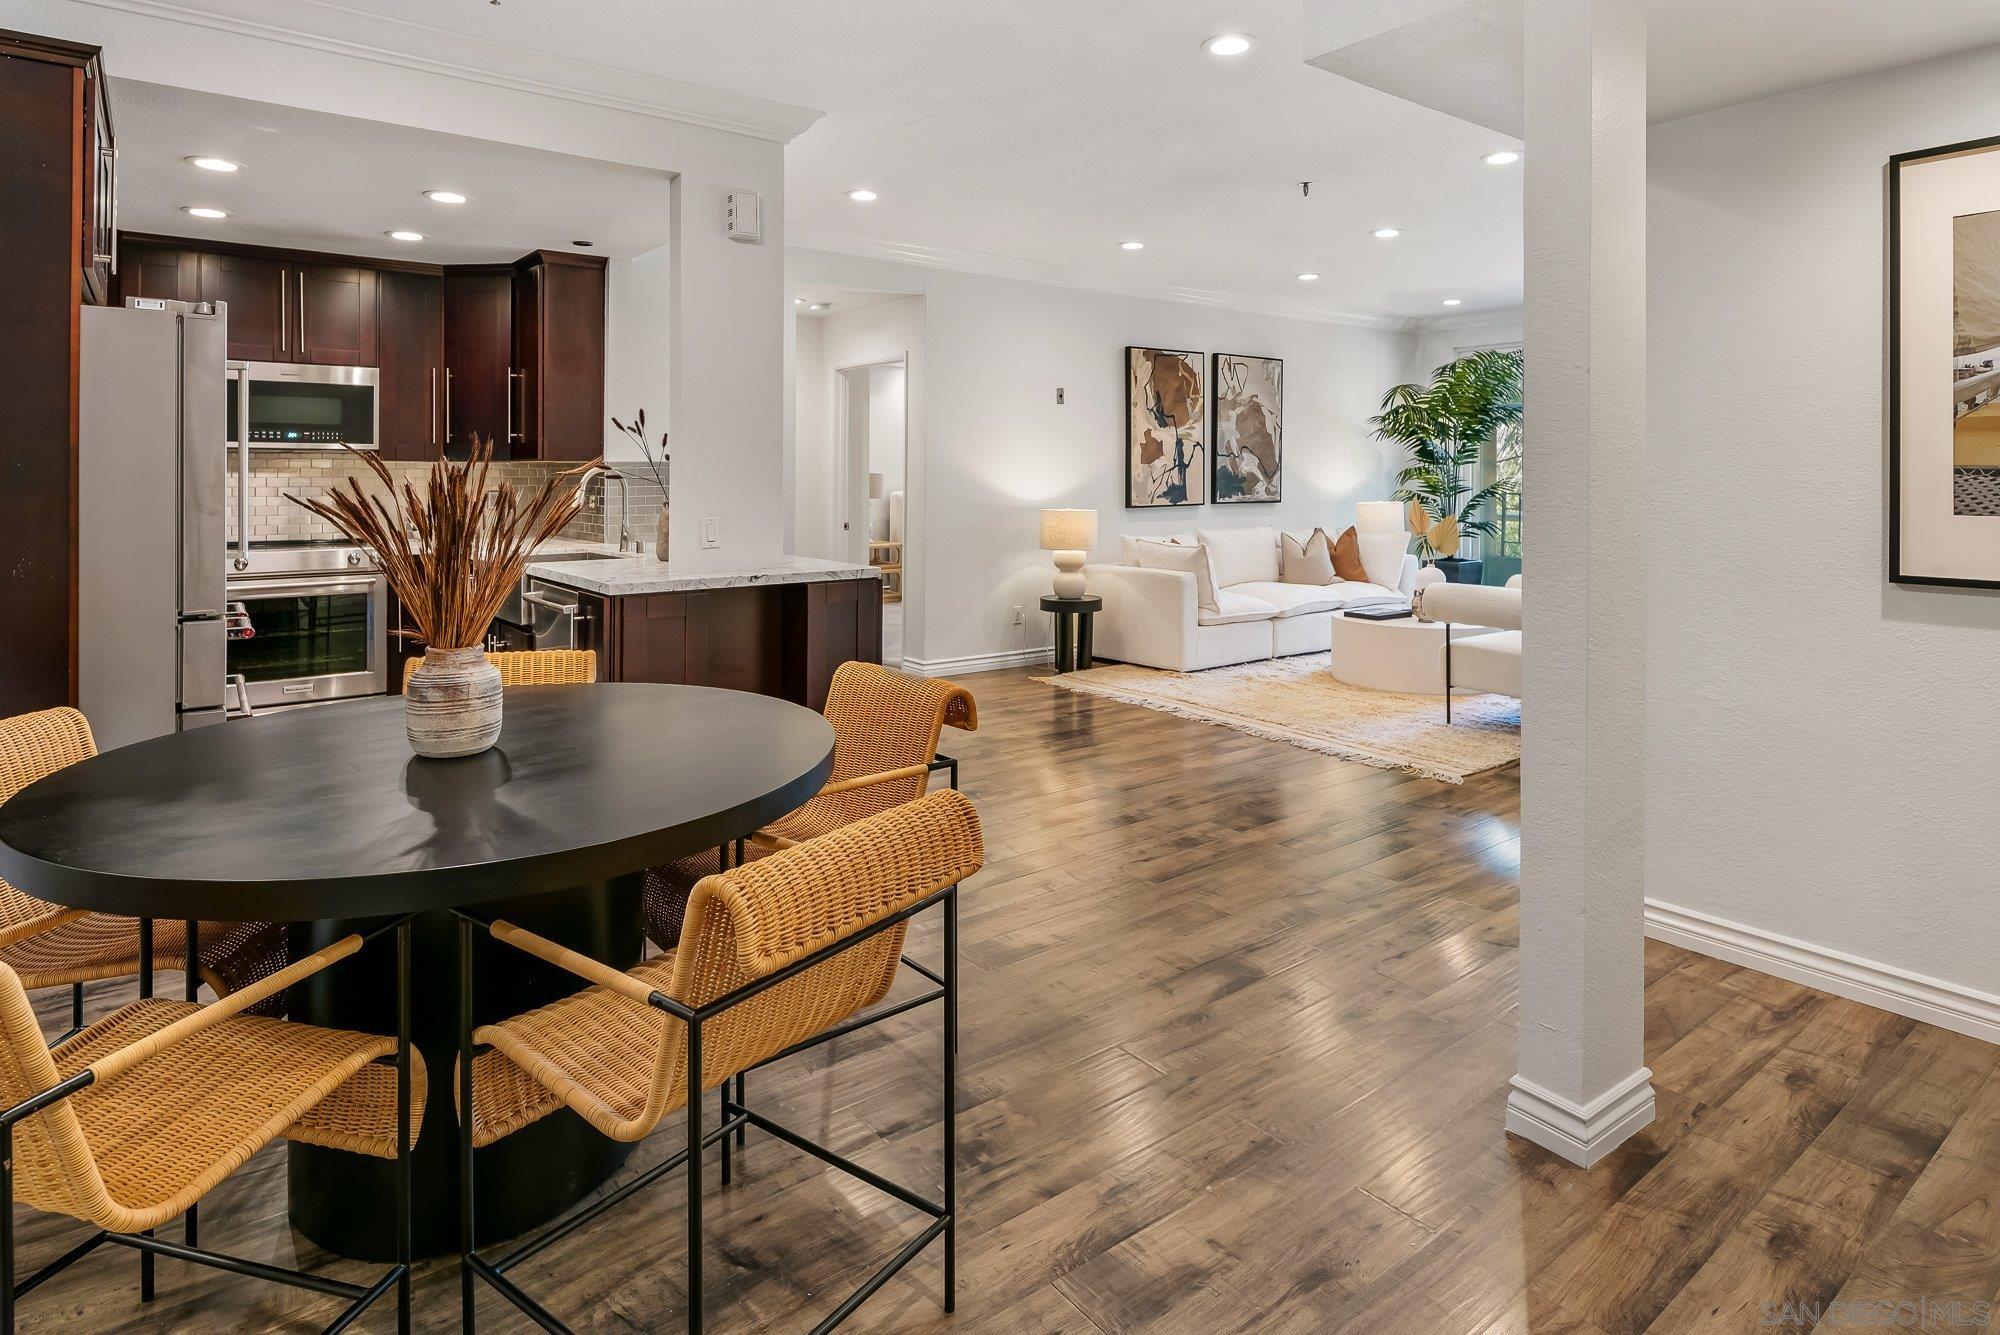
[619, 576]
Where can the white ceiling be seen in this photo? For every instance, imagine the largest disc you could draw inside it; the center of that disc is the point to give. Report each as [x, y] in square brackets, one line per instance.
[836, 299]
[1041, 133]
[320, 182]
[1463, 57]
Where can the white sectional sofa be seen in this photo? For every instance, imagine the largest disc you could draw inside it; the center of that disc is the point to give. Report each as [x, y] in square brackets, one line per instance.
[1154, 617]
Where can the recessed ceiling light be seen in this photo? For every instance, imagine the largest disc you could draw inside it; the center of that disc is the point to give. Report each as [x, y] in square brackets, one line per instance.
[1308, 278]
[201, 211]
[1227, 44]
[1387, 233]
[1453, 301]
[215, 164]
[1505, 157]
[1131, 245]
[862, 196]
[821, 306]
[798, 301]
[444, 197]
[400, 235]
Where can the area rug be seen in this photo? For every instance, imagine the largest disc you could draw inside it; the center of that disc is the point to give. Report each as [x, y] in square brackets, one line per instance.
[1297, 700]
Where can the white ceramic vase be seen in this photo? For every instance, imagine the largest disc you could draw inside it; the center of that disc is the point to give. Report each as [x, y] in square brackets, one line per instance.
[451, 705]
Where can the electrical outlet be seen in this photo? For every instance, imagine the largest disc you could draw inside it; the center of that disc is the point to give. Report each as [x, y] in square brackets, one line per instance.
[1059, 395]
[1017, 614]
[711, 531]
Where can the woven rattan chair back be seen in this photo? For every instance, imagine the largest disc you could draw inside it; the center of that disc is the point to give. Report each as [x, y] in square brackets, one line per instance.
[53, 1165]
[534, 667]
[883, 720]
[750, 922]
[33, 746]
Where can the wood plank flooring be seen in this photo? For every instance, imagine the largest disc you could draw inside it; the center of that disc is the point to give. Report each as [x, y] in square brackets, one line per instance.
[1237, 1026]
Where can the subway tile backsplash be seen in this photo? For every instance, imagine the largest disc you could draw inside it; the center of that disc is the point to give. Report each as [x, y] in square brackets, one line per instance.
[276, 475]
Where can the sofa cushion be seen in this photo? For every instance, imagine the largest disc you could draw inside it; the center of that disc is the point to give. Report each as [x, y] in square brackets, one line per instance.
[1233, 607]
[1347, 556]
[1155, 555]
[1292, 600]
[1305, 562]
[1128, 544]
[1240, 555]
[1488, 662]
[1352, 591]
[1382, 556]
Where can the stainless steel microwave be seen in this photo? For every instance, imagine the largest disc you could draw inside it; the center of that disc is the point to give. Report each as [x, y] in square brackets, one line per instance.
[285, 406]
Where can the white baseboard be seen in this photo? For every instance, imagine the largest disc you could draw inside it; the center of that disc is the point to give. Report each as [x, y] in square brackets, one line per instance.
[1949, 1006]
[1580, 1133]
[960, 667]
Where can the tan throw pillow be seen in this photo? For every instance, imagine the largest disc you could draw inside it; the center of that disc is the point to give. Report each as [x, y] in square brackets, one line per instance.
[1170, 555]
[1307, 563]
[1347, 556]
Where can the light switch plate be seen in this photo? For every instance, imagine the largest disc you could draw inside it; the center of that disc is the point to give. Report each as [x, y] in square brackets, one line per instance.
[711, 531]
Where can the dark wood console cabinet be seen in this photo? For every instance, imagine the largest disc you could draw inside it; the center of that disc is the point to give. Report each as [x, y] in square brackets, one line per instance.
[783, 640]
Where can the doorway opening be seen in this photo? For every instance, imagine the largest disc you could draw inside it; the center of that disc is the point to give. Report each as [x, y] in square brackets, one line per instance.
[870, 500]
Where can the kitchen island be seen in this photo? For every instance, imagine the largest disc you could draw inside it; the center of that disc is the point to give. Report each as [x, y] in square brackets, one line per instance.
[778, 629]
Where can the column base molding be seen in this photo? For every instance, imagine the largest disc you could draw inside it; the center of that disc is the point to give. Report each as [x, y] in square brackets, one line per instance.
[1580, 1133]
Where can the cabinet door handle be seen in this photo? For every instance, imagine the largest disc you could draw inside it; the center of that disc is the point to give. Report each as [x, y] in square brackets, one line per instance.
[284, 313]
[302, 312]
[512, 435]
[431, 408]
[447, 407]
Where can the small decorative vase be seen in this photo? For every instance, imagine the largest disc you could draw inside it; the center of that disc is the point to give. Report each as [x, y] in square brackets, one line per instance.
[451, 705]
[660, 545]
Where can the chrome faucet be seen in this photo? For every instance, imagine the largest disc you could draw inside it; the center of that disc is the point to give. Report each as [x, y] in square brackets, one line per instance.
[608, 476]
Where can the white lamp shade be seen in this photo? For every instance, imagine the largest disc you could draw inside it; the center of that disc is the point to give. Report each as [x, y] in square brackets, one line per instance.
[1379, 517]
[1069, 530]
[874, 486]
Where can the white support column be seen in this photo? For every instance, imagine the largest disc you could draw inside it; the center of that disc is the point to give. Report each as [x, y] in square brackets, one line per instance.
[728, 373]
[1583, 1087]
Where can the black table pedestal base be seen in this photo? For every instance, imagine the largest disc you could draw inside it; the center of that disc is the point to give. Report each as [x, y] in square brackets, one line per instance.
[346, 1202]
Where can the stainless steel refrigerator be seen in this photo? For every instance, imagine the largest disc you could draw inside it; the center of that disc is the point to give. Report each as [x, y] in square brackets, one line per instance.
[151, 646]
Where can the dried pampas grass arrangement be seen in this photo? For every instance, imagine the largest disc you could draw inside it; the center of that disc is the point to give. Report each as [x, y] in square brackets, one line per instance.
[452, 551]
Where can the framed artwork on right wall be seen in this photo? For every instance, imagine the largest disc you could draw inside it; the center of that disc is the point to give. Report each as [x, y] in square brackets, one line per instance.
[1249, 436]
[1944, 365]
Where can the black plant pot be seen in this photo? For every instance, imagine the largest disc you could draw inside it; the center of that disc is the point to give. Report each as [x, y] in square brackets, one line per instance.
[1460, 571]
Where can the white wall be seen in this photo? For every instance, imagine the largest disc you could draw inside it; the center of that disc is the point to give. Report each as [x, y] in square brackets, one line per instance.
[811, 467]
[1822, 760]
[1441, 340]
[885, 440]
[1001, 447]
[637, 348]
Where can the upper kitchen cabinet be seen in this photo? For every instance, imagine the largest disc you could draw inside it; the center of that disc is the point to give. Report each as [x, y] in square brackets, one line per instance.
[53, 208]
[98, 229]
[480, 379]
[336, 314]
[258, 290]
[411, 344]
[158, 269]
[559, 315]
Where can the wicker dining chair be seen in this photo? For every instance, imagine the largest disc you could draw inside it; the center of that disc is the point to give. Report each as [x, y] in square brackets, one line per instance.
[47, 945]
[774, 958]
[533, 667]
[886, 726]
[131, 1122]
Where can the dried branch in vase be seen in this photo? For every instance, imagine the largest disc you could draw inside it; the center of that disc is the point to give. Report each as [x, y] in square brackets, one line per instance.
[453, 551]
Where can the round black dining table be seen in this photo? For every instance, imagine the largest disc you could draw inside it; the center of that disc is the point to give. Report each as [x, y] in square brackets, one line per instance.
[323, 819]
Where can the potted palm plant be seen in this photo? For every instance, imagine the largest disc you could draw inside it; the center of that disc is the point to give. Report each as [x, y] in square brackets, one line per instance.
[1442, 425]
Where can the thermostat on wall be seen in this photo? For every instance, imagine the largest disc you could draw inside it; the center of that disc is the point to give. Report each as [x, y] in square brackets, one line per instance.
[746, 216]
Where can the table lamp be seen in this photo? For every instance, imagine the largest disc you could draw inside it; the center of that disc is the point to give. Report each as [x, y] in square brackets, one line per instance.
[1069, 534]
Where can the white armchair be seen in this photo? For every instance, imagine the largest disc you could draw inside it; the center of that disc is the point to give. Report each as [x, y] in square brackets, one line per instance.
[1490, 662]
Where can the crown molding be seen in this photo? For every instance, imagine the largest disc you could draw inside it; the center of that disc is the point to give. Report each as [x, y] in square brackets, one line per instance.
[1430, 324]
[335, 29]
[1057, 275]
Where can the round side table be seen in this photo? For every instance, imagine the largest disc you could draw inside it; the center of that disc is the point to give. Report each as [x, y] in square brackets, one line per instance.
[1072, 629]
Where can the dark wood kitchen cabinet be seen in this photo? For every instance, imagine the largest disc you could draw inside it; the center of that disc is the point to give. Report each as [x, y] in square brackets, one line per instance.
[53, 207]
[336, 314]
[559, 317]
[783, 640]
[410, 341]
[166, 271]
[258, 290]
[478, 358]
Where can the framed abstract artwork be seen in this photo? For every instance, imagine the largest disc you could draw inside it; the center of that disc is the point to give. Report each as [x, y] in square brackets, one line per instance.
[1944, 365]
[1166, 417]
[1248, 439]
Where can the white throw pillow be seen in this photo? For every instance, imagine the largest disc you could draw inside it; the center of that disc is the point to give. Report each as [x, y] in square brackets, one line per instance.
[1241, 555]
[1307, 561]
[1192, 560]
[1382, 556]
